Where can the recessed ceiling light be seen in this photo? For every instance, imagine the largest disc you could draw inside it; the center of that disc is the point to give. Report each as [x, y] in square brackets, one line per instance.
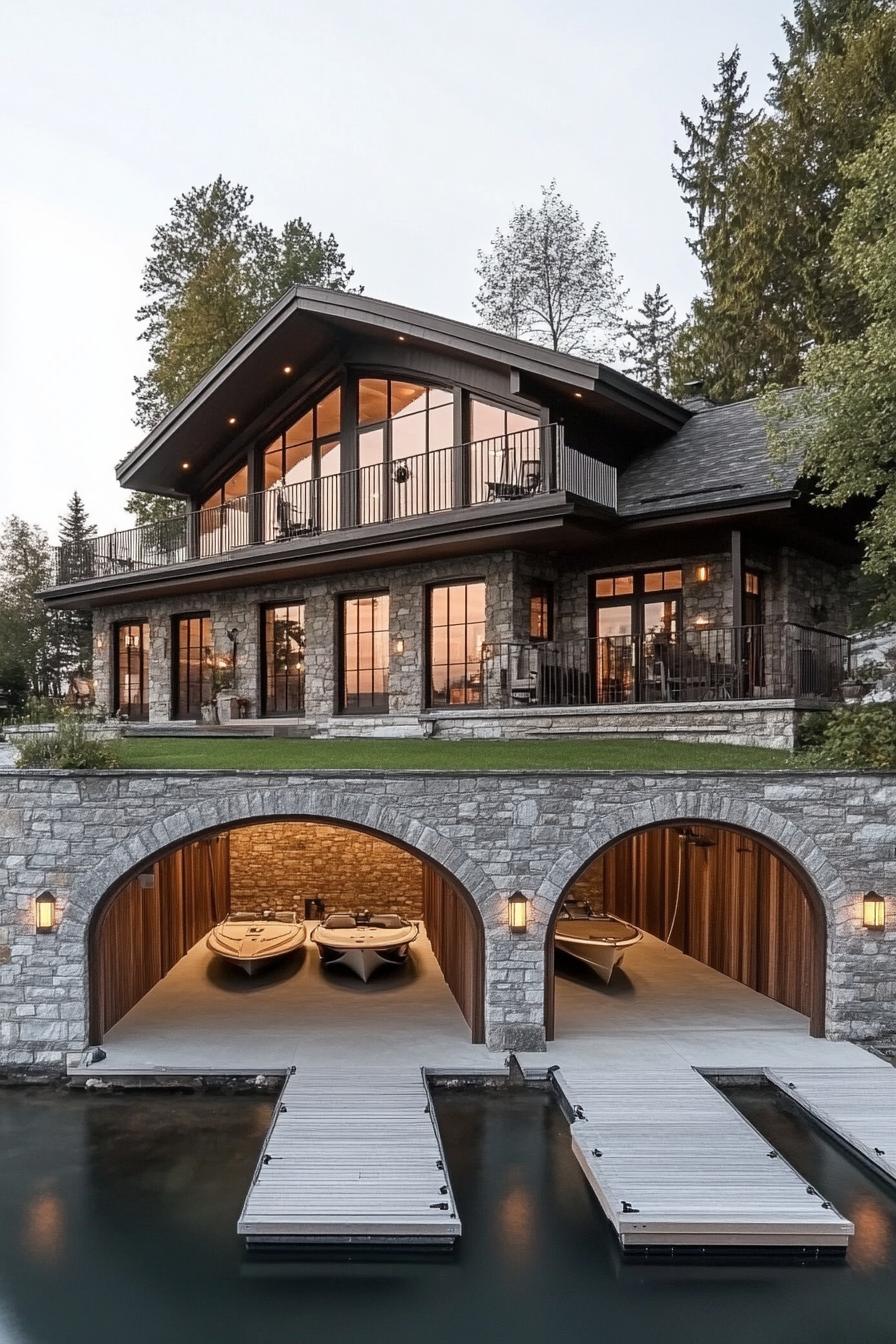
[287, 368]
[231, 420]
[185, 466]
[401, 338]
[578, 394]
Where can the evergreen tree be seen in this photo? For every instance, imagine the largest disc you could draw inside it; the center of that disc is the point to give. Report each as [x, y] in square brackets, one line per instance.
[74, 628]
[28, 629]
[651, 336]
[771, 290]
[549, 279]
[145, 508]
[715, 144]
[212, 271]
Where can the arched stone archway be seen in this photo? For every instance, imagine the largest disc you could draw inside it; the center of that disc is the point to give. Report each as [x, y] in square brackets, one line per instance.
[814, 874]
[97, 894]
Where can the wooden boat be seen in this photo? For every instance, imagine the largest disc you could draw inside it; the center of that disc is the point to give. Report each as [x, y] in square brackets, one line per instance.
[253, 941]
[598, 940]
[364, 943]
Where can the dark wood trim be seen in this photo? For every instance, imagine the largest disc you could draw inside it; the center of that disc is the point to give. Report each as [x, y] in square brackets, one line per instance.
[262, 690]
[117, 627]
[737, 577]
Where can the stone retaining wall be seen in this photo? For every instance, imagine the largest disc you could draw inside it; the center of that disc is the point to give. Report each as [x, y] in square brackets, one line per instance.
[80, 833]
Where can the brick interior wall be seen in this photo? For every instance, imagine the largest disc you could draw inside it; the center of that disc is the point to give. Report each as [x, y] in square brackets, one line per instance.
[283, 863]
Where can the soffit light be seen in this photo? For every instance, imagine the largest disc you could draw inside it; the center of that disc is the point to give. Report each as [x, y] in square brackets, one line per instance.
[231, 420]
[287, 368]
[874, 912]
[578, 394]
[185, 466]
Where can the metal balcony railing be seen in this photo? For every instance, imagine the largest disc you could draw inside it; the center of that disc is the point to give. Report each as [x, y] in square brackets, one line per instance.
[765, 662]
[511, 467]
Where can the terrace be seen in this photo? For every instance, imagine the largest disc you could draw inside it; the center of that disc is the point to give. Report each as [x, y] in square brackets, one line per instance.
[506, 471]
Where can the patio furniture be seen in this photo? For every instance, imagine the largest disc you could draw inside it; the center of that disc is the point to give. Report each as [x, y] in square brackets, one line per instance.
[527, 482]
[291, 522]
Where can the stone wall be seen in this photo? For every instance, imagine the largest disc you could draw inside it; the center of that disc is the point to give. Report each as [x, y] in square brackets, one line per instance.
[79, 834]
[281, 864]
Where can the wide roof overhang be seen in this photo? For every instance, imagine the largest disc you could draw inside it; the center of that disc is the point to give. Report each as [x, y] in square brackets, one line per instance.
[309, 328]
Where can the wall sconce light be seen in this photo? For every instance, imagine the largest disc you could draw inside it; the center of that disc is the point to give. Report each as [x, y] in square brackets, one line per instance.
[45, 912]
[874, 914]
[399, 646]
[517, 911]
[702, 573]
[701, 621]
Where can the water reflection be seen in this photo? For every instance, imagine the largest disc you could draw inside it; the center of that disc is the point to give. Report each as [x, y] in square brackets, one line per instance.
[43, 1229]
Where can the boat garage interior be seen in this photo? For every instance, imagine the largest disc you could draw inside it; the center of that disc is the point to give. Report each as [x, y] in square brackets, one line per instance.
[152, 978]
[718, 909]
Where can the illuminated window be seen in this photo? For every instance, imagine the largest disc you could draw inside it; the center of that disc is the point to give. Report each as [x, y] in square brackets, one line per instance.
[365, 654]
[224, 515]
[404, 441]
[131, 669]
[306, 452]
[456, 637]
[621, 585]
[662, 580]
[541, 611]
[505, 450]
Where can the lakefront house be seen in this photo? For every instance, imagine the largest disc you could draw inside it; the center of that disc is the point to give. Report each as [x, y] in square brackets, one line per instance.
[398, 524]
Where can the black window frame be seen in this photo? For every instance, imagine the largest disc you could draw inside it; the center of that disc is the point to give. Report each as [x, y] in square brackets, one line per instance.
[176, 708]
[542, 590]
[264, 610]
[117, 628]
[342, 599]
[461, 582]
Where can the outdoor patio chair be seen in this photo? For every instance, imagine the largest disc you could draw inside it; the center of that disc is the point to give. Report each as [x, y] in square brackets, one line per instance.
[291, 522]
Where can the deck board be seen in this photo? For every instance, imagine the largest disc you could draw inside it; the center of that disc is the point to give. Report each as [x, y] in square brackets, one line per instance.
[352, 1156]
[673, 1164]
[856, 1105]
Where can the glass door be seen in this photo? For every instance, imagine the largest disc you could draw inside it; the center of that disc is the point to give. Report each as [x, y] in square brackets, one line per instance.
[192, 665]
[614, 627]
[636, 620]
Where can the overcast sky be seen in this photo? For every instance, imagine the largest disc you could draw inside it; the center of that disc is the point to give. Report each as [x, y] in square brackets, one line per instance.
[410, 130]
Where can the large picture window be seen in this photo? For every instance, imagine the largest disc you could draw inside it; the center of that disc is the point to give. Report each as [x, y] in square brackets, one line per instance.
[405, 435]
[131, 690]
[224, 515]
[364, 632]
[301, 472]
[456, 635]
[505, 452]
[283, 677]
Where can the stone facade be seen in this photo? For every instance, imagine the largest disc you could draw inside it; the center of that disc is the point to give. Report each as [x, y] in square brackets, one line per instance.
[80, 834]
[283, 864]
[509, 578]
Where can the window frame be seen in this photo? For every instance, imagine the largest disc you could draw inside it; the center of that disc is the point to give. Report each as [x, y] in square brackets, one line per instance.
[342, 598]
[430, 588]
[264, 703]
[117, 628]
[176, 619]
[542, 589]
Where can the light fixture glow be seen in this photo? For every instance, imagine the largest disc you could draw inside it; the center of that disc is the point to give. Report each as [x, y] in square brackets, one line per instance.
[702, 573]
[185, 466]
[45, 912]
[231, 419]
[399, 646]
[287, 368]
[517, 911]
[874, 913]
[578, 394]
[402, 338]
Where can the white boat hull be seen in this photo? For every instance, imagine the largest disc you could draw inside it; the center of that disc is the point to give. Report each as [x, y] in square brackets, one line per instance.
[599, 942]
[365, 949]
[253, 945]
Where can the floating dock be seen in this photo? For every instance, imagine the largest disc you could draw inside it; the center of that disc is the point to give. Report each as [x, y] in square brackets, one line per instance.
[675, 1166]
[352, 1158]
[857, 1106]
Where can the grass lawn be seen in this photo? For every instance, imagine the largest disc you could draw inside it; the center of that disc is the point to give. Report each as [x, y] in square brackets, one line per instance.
[280, 753]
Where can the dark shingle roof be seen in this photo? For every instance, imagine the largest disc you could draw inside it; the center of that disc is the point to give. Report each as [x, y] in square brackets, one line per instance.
[719, 457]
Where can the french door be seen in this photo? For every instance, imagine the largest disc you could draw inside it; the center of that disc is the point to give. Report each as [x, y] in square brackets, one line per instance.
[636, 619]
[191, 665]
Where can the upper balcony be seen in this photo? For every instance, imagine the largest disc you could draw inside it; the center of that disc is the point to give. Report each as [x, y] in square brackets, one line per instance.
[509, 473]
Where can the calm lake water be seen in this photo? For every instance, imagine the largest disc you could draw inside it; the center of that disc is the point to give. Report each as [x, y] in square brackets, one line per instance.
[117, 1219]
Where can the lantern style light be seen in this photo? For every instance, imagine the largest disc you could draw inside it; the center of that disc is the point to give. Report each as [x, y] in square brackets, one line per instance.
[45, 912]
[874, 914]
[399, 645]
[517, 911]
[702, 573]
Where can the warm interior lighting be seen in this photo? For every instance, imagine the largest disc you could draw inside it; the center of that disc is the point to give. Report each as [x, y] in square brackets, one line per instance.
[185, 466]
[401, 338]
[287, 368]
[231, 419]
[517, 909]
[399, 646]
[578, 394]
[701, 621]
[45, 912]
[702, 573]
[874, 915]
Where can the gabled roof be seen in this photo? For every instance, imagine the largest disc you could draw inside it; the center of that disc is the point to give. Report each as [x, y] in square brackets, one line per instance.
[307, 325]
[721, 456]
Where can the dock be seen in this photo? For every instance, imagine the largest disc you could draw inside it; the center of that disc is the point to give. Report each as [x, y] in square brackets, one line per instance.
[856, 1106]
[352, 1157]
[675, 1167]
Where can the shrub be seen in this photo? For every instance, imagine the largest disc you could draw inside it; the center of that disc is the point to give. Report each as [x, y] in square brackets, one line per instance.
[69, 747]
[811, 730]
[859, 736]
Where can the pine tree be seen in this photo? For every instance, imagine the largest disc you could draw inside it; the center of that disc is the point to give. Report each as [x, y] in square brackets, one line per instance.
[651, 339]
[28, 634]
[74, 628]
[211, 272]
[715, 145]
